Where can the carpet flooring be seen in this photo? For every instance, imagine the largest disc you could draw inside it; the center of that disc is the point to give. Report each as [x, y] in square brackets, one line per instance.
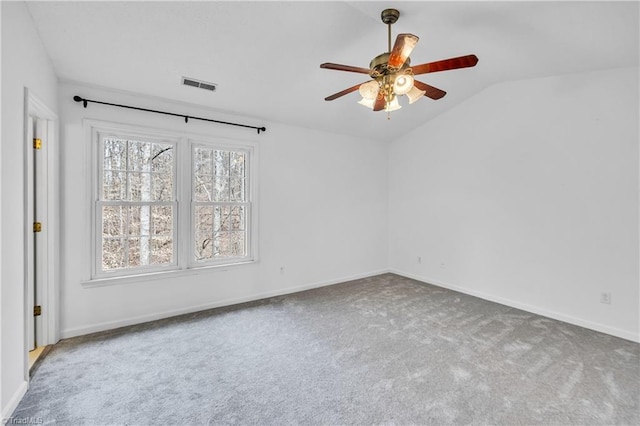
[381, 350]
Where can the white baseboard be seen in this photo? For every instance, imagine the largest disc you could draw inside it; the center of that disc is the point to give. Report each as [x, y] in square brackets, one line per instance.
[624, 334]
[94, 328]
[11, 406]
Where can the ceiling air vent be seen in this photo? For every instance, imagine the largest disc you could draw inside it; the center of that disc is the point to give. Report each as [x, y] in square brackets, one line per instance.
[198, 83]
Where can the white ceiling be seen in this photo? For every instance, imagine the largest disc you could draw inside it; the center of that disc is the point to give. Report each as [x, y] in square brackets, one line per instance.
[265, 56]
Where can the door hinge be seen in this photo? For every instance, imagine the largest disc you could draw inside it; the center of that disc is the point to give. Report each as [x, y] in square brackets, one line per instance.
[37, 143]
[37, 310]
[37, 227]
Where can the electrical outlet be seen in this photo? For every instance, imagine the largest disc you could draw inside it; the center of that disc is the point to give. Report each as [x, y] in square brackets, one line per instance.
[605, 297]
[282, 270]
[419, 259]
[441, 265]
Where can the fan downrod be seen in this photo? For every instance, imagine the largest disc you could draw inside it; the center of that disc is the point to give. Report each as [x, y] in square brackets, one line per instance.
[390, 16]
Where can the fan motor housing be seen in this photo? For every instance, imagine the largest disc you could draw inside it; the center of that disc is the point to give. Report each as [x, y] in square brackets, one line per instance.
[379, 66]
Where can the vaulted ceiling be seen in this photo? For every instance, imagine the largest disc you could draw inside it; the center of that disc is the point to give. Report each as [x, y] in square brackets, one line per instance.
[265, 56]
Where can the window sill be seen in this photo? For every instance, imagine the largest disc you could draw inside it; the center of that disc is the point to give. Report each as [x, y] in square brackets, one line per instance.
[162, 275]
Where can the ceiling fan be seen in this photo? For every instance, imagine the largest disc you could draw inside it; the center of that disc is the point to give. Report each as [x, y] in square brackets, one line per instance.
[392, 72]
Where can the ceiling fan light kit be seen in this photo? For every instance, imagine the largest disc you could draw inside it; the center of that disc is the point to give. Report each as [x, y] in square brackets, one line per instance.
[393, 75]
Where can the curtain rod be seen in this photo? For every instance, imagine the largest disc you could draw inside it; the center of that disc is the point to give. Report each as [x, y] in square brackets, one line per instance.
[186, 117]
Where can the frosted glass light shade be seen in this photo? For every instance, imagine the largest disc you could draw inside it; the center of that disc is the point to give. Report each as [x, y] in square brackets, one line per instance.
[366, 102]
[369, 90]
[403, 84]
[415, 94]
[393, 105]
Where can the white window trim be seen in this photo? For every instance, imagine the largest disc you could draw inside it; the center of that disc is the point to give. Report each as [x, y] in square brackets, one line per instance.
[184, 264]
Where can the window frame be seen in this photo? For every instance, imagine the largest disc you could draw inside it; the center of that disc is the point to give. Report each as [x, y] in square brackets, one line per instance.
[183, 230]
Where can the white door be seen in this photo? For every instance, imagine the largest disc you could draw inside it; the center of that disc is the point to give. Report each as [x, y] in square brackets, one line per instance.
[30, 240]
[39, 214]
[35, 185]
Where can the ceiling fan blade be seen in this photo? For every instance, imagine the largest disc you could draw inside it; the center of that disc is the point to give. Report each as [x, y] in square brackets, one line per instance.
[446, 64]
[430, 91]
[344, 92]
[381, 102]
[402, 49]
[339, 67]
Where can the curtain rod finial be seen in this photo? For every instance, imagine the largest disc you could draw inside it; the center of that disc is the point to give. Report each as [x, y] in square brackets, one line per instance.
[79, 99]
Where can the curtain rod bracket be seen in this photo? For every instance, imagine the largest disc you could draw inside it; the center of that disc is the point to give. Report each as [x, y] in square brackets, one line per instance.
[186, 117]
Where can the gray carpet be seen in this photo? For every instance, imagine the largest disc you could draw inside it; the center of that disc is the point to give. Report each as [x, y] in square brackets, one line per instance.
[382, 350]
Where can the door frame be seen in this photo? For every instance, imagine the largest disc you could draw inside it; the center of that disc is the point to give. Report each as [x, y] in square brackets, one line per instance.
[48, 197]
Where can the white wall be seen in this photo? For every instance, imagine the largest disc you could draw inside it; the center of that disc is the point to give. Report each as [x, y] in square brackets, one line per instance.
[24, 64]
[322, 212]
[527, 194]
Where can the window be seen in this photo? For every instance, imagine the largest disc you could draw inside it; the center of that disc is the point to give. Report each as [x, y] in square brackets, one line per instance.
[170, 203]
[137, 203]
[220, 204]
